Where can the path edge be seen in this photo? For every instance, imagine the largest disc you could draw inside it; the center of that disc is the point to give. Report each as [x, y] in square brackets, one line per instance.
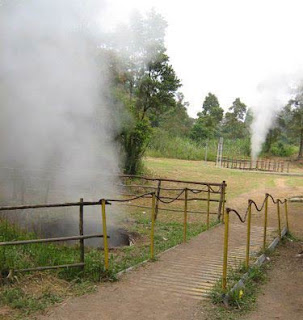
[260, 260]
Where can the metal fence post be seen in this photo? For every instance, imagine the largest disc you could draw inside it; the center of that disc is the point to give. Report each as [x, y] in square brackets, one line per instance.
[208, 207]
[81, 209]
[152, 232]
[286, 214]
[265, 221]
[185, 214]
[223, 197]
[225, 250]
[279, 218]
[105, 243]
[248, 234]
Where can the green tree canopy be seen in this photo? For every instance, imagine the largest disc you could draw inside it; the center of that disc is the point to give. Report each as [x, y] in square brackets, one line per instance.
[233, 125]
[291, 121]
[208, 123]
[144, 82]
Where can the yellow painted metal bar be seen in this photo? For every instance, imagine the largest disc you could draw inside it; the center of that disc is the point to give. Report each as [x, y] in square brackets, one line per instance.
[208, 208]
[225, 251]
[279, 218]
[185, 214]
[248, 234]
[152, 232]
[105, 243]
[223, 198]
[286, 215]
[265, 221]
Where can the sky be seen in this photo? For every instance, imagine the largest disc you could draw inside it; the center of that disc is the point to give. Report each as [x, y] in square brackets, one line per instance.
[227, 47]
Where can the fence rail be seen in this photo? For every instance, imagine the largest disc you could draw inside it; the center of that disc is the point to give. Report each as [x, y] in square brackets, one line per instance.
[185, 194]
[260, 164]
[247, 218]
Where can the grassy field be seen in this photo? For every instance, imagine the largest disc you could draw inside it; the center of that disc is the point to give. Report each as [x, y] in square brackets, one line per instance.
[55, 286]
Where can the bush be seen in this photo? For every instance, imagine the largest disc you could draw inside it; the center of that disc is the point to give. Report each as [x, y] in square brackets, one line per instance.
[166, 146]
[282, 150]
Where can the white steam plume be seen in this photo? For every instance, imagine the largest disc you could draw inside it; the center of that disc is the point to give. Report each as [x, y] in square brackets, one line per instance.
[53, 115]
[273, 94]
[56, 128]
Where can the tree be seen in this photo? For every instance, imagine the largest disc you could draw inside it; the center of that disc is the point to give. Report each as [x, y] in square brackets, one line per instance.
[291, 120]
[176, 122]
[208, 123]
[211, 108]
[234, 121]
[145, 83]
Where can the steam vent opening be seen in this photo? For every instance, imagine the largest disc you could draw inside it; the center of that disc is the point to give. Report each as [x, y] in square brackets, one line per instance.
[118, 237]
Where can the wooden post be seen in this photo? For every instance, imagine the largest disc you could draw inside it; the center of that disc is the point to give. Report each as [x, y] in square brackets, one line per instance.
[157, 199]
[105, 243]
[81, 231]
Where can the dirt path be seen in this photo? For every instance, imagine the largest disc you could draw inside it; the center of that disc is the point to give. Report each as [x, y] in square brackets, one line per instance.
[169, 288]
[282, 297]
[173, 286]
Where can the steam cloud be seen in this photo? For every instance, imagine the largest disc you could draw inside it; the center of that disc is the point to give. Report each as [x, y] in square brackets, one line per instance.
[55, 125]
[273, 95]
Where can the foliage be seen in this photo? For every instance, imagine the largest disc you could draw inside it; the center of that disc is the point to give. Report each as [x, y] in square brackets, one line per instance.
[241, 300]
[207, 124]
[234, 125]
[291, 121]
[135, 141]
[144, 82]
[164, 145]
[176, 122]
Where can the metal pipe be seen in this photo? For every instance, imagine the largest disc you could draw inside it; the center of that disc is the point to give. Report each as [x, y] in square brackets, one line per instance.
[73, 265]
[265, 221]
[55, 205]
[20, 242]
[163, 209]
[225, 251]
[152, 232]
[171, 180]
[224, 195]
[185, 216]
[208, 209]
[279, 218]
[248, 234]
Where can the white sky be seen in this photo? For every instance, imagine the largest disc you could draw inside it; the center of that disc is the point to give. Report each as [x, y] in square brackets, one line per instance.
[226, 47]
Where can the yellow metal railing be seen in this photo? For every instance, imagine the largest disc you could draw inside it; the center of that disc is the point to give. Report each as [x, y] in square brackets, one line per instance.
[247, 217]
